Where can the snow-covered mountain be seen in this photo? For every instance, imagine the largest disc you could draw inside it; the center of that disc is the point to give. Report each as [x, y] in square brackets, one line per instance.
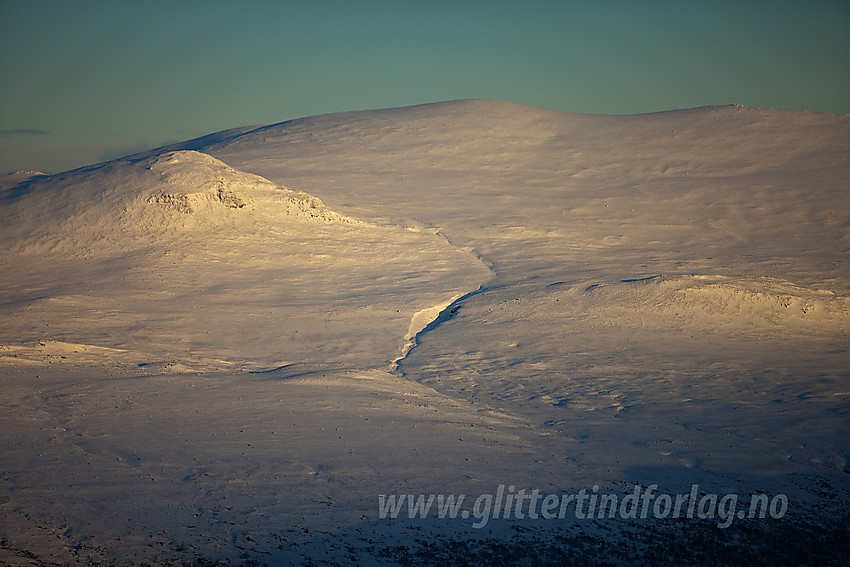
[227, 348]
[178, 257]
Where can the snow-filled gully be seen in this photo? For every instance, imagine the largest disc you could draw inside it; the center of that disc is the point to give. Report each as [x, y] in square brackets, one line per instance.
[426, 320]
[430, 318]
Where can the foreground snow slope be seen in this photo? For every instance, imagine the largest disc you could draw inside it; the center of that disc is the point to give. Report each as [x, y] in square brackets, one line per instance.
[227, 348]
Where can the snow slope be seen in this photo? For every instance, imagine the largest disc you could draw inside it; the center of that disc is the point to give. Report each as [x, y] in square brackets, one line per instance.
[689, 257]
[227, 348]
[716, 189]
[181, 258]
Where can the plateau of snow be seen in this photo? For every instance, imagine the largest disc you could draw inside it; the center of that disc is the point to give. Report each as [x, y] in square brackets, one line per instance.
[224, 350]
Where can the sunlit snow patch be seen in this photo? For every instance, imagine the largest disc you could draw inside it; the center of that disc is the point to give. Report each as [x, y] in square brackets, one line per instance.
[749, 305]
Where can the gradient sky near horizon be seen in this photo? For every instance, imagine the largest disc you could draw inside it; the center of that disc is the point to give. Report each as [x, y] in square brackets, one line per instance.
[86, 81]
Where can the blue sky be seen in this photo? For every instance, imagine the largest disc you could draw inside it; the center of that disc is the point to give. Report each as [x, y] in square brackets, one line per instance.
[84, 81]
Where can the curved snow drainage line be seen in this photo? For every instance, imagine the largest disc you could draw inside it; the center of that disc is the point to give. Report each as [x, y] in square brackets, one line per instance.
[426, 320]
